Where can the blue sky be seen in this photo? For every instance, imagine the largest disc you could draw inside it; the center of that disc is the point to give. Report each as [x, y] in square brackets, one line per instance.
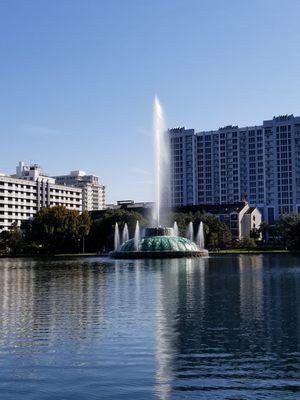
[78, 77]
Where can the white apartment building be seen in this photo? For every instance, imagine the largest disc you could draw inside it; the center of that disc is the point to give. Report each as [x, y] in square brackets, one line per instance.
[93, 192]
[26, 192]
[259, 164]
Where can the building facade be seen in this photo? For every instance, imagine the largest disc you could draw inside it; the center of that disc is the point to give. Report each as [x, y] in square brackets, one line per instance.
[259, 164]
[93, 192]
[26, 192]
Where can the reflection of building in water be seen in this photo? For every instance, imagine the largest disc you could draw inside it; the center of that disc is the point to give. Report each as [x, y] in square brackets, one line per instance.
[251, 291]
[45, 299]
[281, 300]
[265, 293]
[218, 312]
[17, 291]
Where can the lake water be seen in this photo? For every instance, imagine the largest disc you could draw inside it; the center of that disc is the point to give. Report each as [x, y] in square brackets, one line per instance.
[212, 328]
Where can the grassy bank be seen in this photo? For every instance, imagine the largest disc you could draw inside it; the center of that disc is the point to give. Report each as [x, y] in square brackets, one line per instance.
[254, 251]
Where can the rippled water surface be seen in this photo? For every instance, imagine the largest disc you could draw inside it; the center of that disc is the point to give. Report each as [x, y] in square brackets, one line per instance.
[214, 328]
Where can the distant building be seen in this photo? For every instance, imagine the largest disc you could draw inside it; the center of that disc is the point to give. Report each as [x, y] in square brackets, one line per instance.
[259, 164]
[240, 218]
[143, 208]
[29, 190]
[93, 192]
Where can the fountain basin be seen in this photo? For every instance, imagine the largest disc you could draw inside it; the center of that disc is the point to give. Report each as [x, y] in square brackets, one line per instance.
[162, 246]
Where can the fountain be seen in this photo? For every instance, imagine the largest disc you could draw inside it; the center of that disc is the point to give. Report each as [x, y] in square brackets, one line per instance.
[137, 236]
[159, 242]
[125, 234]
[190, 232]
[175, 229]
[117, 237]
[200, 236]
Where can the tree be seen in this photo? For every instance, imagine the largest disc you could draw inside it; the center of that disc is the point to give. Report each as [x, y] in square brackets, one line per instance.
[57, 229]
[245, 243]
[182, 219]
[293, 241]
[264, 231]
[101, 236]
[218, 234]
[84, 226]
[287, 227]
[255, 234]
[11, 241]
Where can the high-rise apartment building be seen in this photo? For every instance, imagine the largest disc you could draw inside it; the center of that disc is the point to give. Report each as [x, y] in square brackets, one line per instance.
[93, 192]
[260, 164]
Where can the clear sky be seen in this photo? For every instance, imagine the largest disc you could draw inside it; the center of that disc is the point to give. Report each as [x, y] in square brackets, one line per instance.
[78, 77]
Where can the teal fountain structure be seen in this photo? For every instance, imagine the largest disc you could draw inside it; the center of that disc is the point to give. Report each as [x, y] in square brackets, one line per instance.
[159, 241]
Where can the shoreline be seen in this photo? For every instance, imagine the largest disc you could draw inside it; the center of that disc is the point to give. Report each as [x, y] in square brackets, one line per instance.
[105, 255]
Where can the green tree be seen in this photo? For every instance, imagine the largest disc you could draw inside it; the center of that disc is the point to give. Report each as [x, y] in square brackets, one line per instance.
[84, 226]
[286, 227]
[101, 236]
[218, 234]
[264, 231]
[255, 233]
[56, 229]
[293, 242]
[182, 219]
[11, 241]
[246, 243]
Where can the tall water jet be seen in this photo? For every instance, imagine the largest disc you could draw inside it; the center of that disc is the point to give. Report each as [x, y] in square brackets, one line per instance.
[200, 237]
[159, 240]
[190, 232]
[162, 159]
[175, 229]
[117, 237]
[137, 236]
[125, 234]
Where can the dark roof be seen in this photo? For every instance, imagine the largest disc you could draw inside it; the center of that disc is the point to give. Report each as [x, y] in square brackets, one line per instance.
[250, 210]
[212, 208]
[215, 209]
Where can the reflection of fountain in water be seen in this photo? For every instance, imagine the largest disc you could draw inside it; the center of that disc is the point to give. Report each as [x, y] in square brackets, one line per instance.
[175, 229]
[137, 236]
[190, 232]
[166, 332]
[125, 234]
[175, 294]
[117, 237]
[200, 237]
[162, 159]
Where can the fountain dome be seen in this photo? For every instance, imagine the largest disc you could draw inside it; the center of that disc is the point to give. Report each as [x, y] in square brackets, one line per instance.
[159, 243]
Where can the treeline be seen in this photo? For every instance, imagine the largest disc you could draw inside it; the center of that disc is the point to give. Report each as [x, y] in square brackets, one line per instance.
[57, 230]
[284, 233]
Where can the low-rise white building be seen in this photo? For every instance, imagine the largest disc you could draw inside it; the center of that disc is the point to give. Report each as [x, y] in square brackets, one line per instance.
[93, 192]
[26, 192]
